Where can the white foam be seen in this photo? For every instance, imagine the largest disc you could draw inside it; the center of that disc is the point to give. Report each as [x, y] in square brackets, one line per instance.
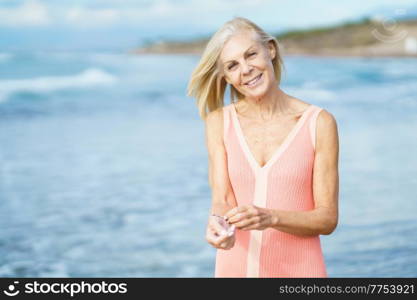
[88, 78]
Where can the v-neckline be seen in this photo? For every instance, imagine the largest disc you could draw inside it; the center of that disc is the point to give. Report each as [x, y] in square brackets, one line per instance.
[278, 151]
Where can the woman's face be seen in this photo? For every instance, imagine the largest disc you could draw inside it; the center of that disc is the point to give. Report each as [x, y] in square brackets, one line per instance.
[247, 64]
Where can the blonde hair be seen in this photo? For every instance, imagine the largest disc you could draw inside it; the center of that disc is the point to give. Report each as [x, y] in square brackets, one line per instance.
[207, 83]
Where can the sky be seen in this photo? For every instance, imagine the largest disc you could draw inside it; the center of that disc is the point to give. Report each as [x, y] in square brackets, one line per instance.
[27, 25]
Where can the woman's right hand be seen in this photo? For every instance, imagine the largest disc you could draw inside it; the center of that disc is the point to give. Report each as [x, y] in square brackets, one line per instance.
[216, 235]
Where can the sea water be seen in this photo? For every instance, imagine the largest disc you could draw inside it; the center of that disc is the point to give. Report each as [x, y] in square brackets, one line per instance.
[103, 165]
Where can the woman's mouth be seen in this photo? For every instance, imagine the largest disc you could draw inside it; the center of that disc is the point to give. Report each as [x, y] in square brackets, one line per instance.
[254, 82]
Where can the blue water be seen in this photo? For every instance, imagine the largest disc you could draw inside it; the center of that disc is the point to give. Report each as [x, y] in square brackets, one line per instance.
[104, 168]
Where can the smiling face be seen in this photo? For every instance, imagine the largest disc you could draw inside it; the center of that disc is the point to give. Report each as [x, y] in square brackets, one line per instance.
[247, 64]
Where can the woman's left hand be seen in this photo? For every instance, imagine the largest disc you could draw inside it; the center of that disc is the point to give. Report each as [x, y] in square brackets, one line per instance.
[249, 217]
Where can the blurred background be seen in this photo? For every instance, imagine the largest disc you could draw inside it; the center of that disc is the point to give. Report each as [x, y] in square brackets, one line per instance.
[103, 165]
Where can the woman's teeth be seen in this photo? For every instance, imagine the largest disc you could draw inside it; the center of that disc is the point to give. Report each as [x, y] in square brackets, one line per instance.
[254, 81]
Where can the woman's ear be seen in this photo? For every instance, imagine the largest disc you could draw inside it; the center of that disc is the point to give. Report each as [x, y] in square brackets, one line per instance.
[272, 50]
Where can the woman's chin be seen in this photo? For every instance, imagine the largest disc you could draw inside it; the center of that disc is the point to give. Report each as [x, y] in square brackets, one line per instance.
[256, 94]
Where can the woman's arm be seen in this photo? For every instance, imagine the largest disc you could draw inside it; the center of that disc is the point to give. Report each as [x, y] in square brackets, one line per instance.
[223, 198]
[323, 218]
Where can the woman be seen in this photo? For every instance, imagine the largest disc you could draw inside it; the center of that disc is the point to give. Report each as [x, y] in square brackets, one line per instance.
[273, 160]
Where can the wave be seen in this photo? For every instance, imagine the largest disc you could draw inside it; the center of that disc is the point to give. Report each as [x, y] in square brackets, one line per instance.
[88, 78]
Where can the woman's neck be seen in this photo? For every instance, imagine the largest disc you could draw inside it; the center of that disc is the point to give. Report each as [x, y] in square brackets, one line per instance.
[270, 106]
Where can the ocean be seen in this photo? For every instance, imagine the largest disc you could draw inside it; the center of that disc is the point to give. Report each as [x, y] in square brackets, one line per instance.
[103, 165]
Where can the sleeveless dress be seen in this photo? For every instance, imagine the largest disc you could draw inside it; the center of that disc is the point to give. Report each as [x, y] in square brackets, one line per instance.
[284, 183]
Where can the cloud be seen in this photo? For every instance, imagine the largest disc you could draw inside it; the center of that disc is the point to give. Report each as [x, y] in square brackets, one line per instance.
[85, 17]
[186, 13]
[29, 13]
[159, 11]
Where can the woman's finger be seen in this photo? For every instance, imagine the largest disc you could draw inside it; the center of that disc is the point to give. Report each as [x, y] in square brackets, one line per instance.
[228, 244]
[222, 239]
[255, 223]
[243, 223]
[249, 227]
[238, 217]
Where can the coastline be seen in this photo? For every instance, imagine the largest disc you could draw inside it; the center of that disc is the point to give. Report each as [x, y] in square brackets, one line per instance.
[365, 38]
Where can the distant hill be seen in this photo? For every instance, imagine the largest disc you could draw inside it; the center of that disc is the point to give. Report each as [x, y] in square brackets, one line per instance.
[363, 38]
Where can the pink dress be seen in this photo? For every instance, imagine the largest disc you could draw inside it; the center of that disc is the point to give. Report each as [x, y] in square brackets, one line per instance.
[284, 183]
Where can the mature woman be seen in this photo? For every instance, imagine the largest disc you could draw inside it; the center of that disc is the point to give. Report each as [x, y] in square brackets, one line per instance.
[273, 160]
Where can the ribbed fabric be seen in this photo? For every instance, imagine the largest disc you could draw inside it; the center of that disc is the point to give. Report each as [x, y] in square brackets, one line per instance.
[284, 183]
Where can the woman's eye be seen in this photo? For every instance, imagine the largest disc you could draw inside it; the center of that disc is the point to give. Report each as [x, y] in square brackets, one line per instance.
[231, 66]
[251, 54]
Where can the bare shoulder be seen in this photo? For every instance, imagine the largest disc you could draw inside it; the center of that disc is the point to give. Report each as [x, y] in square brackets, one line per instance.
[327, 132]
[326, 121]
[214, 125]
[214, 117]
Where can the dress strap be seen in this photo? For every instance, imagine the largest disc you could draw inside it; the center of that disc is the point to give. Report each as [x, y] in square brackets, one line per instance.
[312, 125]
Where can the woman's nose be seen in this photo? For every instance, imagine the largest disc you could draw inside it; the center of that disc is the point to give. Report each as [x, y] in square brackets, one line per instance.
[246, 68]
